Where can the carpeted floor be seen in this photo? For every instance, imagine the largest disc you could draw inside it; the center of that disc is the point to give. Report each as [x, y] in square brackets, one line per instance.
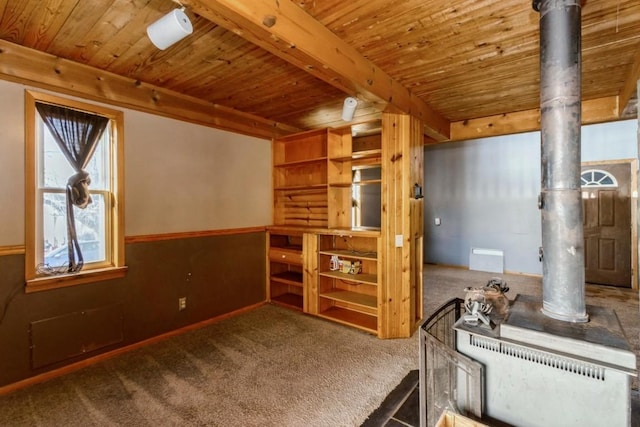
[267, 367]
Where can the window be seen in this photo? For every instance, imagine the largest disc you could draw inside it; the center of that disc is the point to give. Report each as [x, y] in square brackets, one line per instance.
[96, 238]
[598, 178]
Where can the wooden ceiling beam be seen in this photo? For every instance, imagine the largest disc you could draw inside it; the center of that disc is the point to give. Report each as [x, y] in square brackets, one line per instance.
[28, 66]
[629, 91]
[593, 111]
[287, 31]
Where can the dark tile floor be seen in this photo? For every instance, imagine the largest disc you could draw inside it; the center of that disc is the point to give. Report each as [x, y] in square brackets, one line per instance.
[401, 408]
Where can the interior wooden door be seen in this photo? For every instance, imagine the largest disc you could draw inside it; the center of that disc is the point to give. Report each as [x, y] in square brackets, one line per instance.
[607, 223]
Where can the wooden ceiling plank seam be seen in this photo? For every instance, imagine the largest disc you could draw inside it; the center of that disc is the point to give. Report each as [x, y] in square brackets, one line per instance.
[397, 16]
[631, 41]
[430, 58]
[163, 63]
[14, 19]
[46, 22]
[454, 57]
[336, 62]
[78, 24]
[630, 86]
[135, 62]
[372, 55]
[399, 25]
[38, 69]
[268, 85]
[422, 41]
[3, 6]
[123, 17]
[623, 14]
[331, 16]
[105, 28]
[235, 64]
[455, 69]
[115, 47]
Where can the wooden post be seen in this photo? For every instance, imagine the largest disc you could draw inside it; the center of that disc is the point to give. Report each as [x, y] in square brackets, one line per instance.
[310, 272]
[400, 296]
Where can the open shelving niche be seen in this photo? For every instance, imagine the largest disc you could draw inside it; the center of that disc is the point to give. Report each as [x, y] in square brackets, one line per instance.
[351, 299]
[300, 180]
[285, 268]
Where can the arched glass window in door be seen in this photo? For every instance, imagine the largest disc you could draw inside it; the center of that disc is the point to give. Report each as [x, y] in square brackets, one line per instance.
[598, 178]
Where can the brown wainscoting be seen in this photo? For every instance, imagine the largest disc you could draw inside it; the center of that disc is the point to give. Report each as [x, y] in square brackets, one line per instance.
[73, 334]
[216, 272]
[96, 359]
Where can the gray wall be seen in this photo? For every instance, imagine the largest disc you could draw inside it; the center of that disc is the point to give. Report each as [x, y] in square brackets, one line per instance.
[485, 192]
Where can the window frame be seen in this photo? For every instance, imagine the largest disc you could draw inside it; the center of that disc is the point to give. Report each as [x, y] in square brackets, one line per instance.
[91, 273]
[598, 184]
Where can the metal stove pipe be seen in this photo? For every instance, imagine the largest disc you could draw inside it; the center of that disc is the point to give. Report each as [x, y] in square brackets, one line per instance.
[563, 289]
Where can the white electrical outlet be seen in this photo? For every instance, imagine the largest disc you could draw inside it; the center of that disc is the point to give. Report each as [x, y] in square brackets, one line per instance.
[398, 240]
[182, 303]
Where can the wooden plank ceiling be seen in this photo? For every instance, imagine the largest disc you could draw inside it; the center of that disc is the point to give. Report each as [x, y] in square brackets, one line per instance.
[467, 68]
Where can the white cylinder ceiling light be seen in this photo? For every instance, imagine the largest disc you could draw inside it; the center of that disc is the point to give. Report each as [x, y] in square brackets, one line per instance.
[170, 29]
[349, 108]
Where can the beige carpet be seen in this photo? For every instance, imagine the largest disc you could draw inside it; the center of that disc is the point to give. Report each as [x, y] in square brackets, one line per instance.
[267, 367]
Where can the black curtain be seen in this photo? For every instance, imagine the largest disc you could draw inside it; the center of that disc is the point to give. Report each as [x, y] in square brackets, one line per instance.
[77, 134]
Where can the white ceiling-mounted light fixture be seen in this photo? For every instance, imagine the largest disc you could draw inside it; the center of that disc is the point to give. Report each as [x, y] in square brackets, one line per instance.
[170, 29]
[349, 108]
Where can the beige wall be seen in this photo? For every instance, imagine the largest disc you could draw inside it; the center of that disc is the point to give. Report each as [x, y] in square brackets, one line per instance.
[178, 176]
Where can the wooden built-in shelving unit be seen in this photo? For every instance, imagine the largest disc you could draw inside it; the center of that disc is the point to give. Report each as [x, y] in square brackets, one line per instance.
[324, 182]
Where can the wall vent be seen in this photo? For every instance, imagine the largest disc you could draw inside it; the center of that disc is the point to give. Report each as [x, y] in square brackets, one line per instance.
[491, 260]
[568, 365]
[70, 335]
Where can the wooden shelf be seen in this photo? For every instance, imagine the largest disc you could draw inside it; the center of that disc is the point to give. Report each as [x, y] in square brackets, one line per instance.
[288, 278]
[345, 253]
[369, 279]
[300, 162]
[367, 182]
[358, 155]
[354, 298]
[321, 187]
[355, 319]
[366, 154]
[288, 300]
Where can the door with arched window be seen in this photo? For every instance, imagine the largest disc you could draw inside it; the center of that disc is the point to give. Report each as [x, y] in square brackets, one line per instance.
[606, 202]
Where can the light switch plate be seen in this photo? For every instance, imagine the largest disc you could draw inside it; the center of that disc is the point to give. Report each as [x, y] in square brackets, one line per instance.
[398, 240]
